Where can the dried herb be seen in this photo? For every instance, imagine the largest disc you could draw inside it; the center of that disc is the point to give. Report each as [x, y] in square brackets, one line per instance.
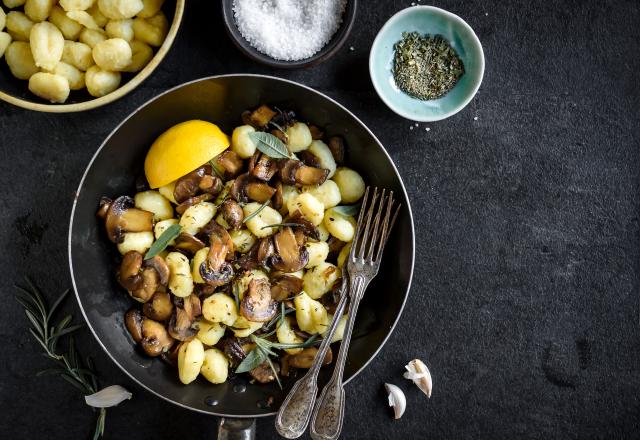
[70, 366]
[269, 145]
[426, 67]
[163, 241]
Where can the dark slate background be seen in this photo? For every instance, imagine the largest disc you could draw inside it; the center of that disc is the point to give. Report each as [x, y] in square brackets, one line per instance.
[525, 297]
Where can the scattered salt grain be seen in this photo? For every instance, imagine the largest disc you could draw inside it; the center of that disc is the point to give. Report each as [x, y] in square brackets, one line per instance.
[475, 118]
[417, 124]
[427, 129]
[411, 127]
[288, 30]
[352, 48]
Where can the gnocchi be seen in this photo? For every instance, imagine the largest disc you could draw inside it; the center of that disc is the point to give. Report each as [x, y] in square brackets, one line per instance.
[101, 82]
[47, 44]
[215, 367]
[180, 280]
[76, 5]
[350, 183]
[191, 357]
[13, 3]
[78, 55]
[119, 9]
[256, 224]
[298, 137]
[38, 10]
[120, 29]
[324, 156]
[18, 26]
[220, 308]
[113, 54]
[3, 19]
[241, 142]
[340, 226]
[243, 327]
[141, 54]
[210, 333]
[198, 258]
[196, 216]
[242, 239]
[151, 30]
[74, 77]
[309, 206]
[150, 8]
[286, 335]
[84, 19]
[5, 40]
[311, 316]
[70, 28]
[20, 60]
[318, 252]
[91, 37]
[135, 241]
[320, 279]
[153, 201]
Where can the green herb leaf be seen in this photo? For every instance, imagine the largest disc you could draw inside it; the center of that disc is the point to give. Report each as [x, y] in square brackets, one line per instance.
[275, 372]
[278, 225]
[254, 358]
[269, 145]
[347, 210]
[256, 212]
[163, 241]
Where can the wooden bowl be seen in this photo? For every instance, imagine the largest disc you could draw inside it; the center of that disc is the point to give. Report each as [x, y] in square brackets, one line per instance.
[16, 92]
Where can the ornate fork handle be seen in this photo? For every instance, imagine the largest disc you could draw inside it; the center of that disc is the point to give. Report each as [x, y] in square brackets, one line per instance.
[328, 415]
[295, 412]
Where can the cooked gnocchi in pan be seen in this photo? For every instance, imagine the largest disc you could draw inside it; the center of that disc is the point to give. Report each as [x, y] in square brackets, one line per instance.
[63, 45]
[235, 267]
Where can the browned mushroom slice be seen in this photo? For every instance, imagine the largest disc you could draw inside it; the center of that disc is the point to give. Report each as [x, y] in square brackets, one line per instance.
[230, 162]
[187, 186]
[316, 133]
[150, 283]
[305, 358]
[288, 169]
[261, 116]
[215, 270]
[105, 202]
[159, 308]
[265, 168]
[311, 176]
[277, 201]
[238, 189]
[232, 214]
[155, 339]
[335, 246]
[232, 348]
[336, 145]
[301, 239]
[257, 304]
[133, 321]
[307, 227]
[210, 184]
[263, 372]
[246, 117]
[122, 217]
[171, 355]
[249, 260]
[160, 266]
[188, 243]
[280, 135]
[129, 274]
[265, 251]
[260, 192]
[182, 207]
[285, 286]
[308, 158]
[180, 326]
[291, 256]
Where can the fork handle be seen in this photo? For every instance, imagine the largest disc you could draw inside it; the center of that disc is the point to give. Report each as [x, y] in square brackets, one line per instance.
[328, 415]
[295, 412]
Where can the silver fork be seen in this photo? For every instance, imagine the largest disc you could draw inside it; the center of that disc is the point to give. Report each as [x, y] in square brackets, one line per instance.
[362, 266]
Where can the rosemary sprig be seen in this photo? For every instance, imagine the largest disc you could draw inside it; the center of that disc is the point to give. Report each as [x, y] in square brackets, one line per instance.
[256, 212]
[284, 225]
[70, 366]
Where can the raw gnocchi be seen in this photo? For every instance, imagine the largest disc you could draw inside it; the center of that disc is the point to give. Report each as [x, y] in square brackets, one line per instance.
[20, 60]
[5, 40]
[113, 54]
[18, 26]
[141, 54]
[74, 76]
[70, 28]
[47, 44]
[38, 10]
[78, 55]
[101, 82]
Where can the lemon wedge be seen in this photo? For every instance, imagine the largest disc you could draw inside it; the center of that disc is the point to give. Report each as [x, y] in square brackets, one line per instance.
[181, 149]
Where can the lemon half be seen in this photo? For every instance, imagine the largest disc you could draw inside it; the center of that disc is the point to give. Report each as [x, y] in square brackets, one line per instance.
[181, 149]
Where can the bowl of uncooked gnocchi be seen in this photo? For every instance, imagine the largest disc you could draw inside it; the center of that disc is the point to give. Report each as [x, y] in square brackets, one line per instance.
[64, 56]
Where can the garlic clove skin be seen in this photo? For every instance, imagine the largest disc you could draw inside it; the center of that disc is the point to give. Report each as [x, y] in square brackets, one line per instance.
[107, 397]
[396, 399]
[418, 372]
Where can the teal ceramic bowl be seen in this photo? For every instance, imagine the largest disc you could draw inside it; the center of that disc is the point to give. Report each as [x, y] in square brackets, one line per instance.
[433, 21]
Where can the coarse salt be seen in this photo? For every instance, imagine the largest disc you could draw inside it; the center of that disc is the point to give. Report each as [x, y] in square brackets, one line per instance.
[288, 30]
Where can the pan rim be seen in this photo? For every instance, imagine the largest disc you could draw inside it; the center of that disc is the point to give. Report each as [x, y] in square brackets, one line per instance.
[172, 89]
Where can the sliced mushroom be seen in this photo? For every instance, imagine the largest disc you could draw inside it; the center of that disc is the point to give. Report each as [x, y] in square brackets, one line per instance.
[261, 116]
[160, 266]
[180, 326]
[249, 260]
[309, 229]
[284, 118]
[210, 184]
[335, 246]
[260, 192]
[171, 355]
[308, 158]
[155, 339]
[305, 358]
[277, 201]
[230, 162]
[133, 321]
[182, 207]
[301, 238]
[187, 186]
[215, 270]
[232, 348]
[188, 243]
[105, 202]
[232, 213]
[159, 308]
[122, 216]
[336, 145]
[129, 274]
[265, 168]
[311, 176]
[239, 188]
[316, 133]
[288, 169]
[150, 283]
[291, 256]
[280, 135]
[285, 286]
[265, 251]
[257, 304]
[263, 372]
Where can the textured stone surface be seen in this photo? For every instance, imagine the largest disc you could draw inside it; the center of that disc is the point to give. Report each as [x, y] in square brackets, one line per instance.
[525, 301]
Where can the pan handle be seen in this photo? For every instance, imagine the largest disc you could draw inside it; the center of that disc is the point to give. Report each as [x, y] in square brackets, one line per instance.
[236, 429]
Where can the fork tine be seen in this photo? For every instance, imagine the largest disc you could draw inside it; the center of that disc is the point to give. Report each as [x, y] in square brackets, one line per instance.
[386, 229]
[365, 234]
[385, 210]
[374, 233]
[358, 232]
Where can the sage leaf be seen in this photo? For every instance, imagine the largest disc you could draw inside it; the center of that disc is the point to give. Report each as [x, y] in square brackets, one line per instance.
[347, 210]
[269, 145]
[163, 241]
[253, 359]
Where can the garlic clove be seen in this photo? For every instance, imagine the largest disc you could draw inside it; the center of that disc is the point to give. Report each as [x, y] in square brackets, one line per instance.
[109, 396]
[418, 372]
[396, 399]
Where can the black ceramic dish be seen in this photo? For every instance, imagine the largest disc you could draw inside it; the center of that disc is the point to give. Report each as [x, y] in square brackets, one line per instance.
[113, 172]
[324, 54]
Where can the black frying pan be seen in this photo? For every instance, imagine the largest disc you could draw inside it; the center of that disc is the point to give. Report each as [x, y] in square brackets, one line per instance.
[113, 171]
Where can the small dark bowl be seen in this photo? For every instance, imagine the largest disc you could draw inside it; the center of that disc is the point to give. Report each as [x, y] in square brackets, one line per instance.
[324, 54]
